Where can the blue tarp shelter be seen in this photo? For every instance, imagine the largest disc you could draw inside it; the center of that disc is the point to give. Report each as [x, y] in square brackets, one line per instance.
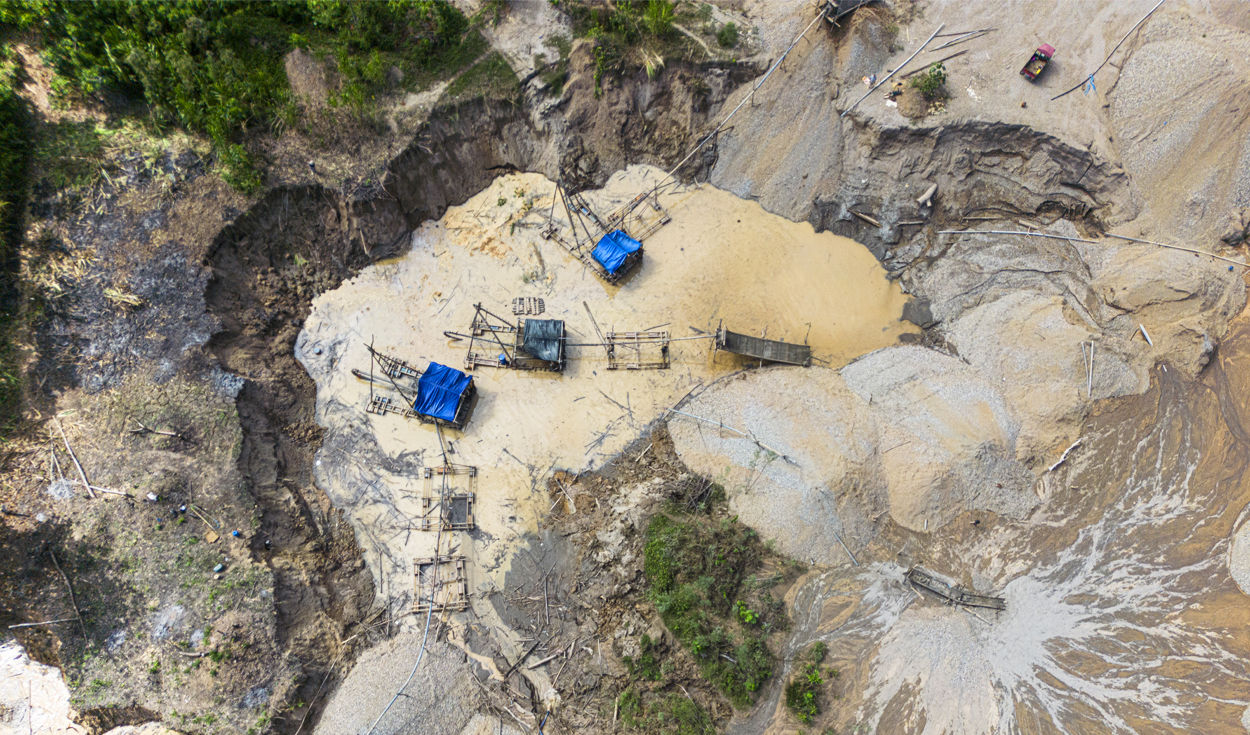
[613, 249]
[439, 391]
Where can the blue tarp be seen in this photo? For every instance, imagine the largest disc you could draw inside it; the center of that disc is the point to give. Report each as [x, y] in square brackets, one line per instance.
[613, 249]
[439, 391]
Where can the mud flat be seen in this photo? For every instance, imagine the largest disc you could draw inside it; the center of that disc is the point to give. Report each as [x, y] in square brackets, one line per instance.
[721, 258]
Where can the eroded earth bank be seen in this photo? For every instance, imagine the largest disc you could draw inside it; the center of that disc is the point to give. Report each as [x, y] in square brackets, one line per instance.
[1056, 421]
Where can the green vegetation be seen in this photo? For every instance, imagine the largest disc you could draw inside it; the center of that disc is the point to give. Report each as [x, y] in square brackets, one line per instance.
[490, 77]
[671, 714]
[217, 67]
[697, 567]
[555, 74]
[648, 665]
[932, 83]
[803, 693]
[727, 36]
[628, 28]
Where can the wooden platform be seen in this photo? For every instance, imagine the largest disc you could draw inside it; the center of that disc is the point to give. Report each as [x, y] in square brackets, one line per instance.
[440, 582]
[953, 594]
[395, 367]
[763, 349]
[528, 305]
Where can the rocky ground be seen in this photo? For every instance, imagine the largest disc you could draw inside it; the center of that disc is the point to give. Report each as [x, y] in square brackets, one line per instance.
[216, 287]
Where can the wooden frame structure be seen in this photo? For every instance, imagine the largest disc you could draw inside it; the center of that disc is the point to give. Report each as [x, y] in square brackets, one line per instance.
[491, 336]
[638, 350]
[625, 218]
[440, 583]
[762, 349]
[454, 509]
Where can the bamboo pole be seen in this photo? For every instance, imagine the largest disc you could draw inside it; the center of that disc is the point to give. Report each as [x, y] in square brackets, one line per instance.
[745, 99]
[747, 435]
[1014, 232]
[1117, 46]
[1178, 247]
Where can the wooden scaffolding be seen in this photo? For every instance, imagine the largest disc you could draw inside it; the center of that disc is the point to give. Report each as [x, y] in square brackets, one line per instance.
[496, 342]
[638, 350]
[630, 218]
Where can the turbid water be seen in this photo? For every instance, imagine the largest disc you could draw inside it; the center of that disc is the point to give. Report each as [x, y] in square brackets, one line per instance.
[1122, 615]
[720, 260]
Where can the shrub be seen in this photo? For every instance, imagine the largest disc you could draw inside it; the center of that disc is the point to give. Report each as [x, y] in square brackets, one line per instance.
[695, 567]
[238, 169]
[659, 17]
[932, 83]
[727, 36]
[803, 691]
[647, 666]
[216, 67]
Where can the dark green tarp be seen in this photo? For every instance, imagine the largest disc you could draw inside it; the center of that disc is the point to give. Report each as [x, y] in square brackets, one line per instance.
[542, 339]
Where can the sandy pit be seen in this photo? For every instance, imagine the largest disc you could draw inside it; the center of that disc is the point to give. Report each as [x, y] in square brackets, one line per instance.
[720, 258]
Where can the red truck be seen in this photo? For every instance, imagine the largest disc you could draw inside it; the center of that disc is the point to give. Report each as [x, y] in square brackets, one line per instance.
[1041, 56]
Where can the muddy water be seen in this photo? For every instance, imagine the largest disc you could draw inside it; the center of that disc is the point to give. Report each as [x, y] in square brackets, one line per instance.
[1121, 612]
[720, 258]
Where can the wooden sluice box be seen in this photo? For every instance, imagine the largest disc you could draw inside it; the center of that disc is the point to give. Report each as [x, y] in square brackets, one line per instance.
[763, 349]
[953, 594]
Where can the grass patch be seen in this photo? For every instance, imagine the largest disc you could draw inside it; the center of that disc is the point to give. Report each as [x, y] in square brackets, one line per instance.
[67, 154]
[698, 565]
[648, 665]
[932, 83]
[805, 692]
[671, 713]
[555, 74]
[491, 77]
